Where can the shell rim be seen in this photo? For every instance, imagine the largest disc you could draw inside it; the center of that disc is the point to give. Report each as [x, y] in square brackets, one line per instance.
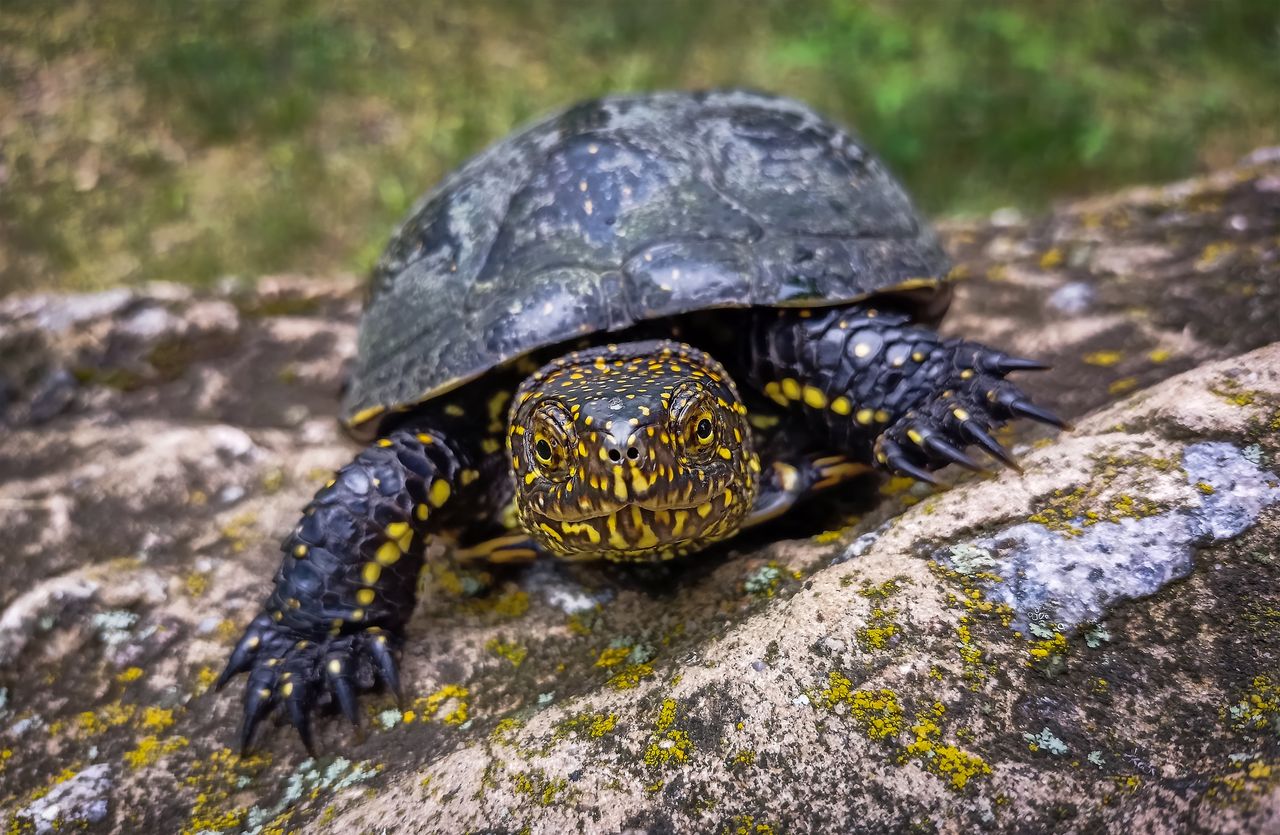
[363, 422]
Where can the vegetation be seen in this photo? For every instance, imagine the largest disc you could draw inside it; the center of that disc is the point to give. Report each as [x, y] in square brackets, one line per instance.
[189, 139]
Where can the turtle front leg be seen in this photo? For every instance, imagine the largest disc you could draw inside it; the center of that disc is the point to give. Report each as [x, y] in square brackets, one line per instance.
[346, 586]
[877, 387]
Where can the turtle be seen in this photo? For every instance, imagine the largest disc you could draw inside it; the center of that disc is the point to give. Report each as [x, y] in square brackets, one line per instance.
[639, 327]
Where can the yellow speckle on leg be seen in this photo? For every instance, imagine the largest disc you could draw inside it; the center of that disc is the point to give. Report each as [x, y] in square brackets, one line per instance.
[365, 596]
[388, 553]
[774, 392]
[791, 389]
[299, 551]
[335, 667]
[439, 493]
[865, 416]
[422, 512]
[841, 406]
[814, 397]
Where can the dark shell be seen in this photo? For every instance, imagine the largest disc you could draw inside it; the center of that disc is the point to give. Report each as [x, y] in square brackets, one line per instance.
[625, 209]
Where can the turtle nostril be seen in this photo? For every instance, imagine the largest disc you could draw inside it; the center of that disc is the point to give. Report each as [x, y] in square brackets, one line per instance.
[633, 453]
[615, 456]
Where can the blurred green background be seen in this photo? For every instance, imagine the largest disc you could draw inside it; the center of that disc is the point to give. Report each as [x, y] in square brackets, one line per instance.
[189, 139]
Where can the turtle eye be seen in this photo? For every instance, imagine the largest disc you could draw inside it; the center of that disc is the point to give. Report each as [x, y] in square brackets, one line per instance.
[699, 429]
[549, 442]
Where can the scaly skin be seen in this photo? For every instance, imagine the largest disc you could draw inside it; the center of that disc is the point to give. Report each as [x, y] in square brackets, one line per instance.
[346, 585]
[634, 452]
[873, 385]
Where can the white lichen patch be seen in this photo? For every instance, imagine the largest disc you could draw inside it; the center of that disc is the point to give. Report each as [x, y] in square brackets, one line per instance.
[78, 801]
[1068, 578]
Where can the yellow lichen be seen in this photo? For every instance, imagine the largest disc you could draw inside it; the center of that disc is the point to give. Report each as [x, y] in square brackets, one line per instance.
[594, 725]
[129, 675]
[1051, 258]
[512, 604]
[515, 653]
[537, 785]
[612, 656]
[502, 732]
[151, 748]
[1103, 359]
[877, 712]
[879, 631]
[671, 747]
[110, 715]
[428, 706]
[156, 719]
[746, 825]
[958, 767]
[668, 745]
[630, 676]
[1258, 708]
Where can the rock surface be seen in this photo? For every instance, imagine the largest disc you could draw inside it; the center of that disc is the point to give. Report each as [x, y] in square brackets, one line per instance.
[1092, 646]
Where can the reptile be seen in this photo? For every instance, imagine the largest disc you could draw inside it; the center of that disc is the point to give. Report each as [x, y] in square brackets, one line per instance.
[641, 326]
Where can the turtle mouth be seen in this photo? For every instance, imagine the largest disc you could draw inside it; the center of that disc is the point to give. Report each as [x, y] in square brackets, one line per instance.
[635, 530]
[648, 510]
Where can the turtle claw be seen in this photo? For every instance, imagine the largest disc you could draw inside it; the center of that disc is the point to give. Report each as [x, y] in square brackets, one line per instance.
[298, 706]
[980, 436]
[935, 433]
[944, 449]
[1025, 408]
[297, 674]
[893, 456]
[386, 667]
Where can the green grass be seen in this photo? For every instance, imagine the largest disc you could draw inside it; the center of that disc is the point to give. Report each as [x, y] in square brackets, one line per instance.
[185, 141]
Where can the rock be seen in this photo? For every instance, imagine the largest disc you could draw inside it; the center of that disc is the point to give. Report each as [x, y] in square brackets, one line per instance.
[1091, 646]
[81, 799]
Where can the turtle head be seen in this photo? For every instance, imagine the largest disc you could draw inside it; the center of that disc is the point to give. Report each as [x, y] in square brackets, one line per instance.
[638, 451]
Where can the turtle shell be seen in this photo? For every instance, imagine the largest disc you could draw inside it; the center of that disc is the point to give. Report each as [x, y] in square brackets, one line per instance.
[624, 209]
